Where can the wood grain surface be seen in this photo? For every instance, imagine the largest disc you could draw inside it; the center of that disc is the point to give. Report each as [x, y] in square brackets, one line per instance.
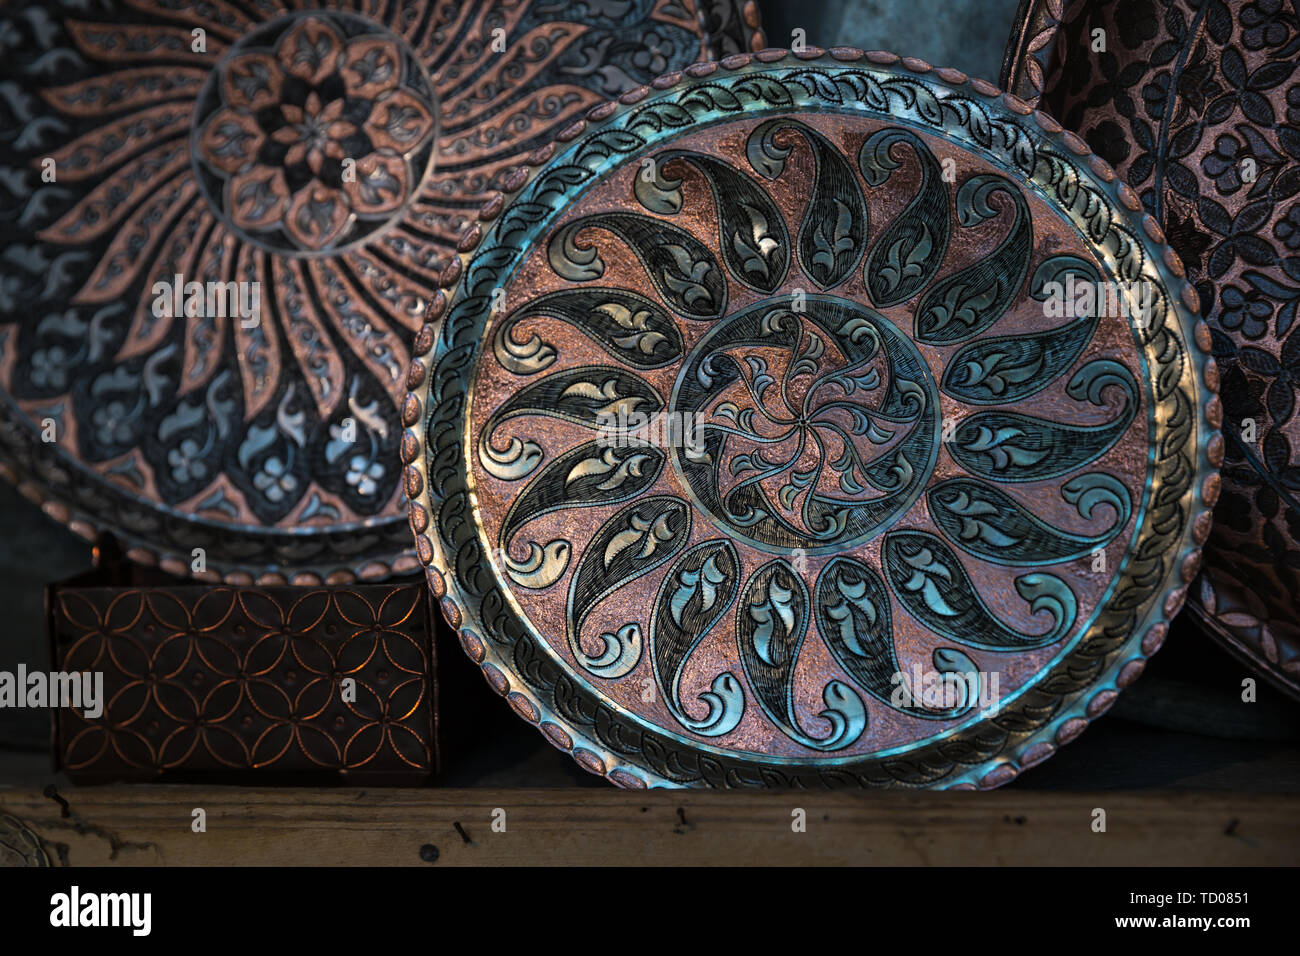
[151, 825]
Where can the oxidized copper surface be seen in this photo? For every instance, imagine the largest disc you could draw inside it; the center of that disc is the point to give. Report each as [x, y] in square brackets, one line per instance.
[247, 681]
[223, 223]
[749, 449]
[1197, 106]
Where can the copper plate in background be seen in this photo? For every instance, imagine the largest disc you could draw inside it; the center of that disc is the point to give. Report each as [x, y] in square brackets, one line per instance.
[1197, 106]
[884, 523]
[212, 141]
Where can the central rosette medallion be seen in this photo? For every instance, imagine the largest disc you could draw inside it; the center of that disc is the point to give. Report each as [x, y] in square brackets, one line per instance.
[820, 426]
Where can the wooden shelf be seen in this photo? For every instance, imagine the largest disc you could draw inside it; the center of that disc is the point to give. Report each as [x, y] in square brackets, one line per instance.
[151, 825]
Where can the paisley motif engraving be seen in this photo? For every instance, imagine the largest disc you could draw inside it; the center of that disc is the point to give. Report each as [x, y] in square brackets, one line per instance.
[681, 267]
[810, 513]
[771, 621]
[634, 542]
[934, 587]
[696, 594]
[815, 427]
[855, 621]
[630, 327]
[967, 303]
[834, 226]
[1008, 446]
[751, 230]
[910, 250]
[993, 525]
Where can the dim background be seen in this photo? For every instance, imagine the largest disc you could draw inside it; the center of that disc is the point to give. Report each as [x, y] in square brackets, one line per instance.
[1182, 726]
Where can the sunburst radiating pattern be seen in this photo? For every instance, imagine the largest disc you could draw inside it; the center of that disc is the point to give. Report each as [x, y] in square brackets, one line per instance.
[305, 169]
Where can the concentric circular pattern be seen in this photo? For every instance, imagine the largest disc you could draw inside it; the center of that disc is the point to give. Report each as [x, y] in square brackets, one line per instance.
[1198, 108]
[749, 450]
[225, 221]
[313, 132]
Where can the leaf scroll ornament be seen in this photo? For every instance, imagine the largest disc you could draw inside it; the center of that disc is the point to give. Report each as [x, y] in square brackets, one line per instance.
[834, 227]
[771, 623]
[911, 248]
[635, 541]
[696, 593]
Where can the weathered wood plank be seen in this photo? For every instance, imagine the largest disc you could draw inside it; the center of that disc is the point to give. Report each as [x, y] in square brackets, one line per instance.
[148, 825]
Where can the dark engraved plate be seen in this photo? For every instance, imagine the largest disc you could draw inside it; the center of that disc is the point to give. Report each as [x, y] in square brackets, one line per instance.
[224, 222]
[746, 449]
[1197, 108]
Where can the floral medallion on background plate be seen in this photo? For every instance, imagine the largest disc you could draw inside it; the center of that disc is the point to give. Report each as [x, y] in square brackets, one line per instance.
[1197, 106]
[305, 172]
[746, 449]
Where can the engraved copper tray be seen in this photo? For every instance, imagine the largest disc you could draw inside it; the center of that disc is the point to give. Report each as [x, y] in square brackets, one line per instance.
[906, 530]
[331, 156]
[1197, 106]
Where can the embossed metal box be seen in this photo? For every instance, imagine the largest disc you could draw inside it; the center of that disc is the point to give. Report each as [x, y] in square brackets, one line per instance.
[1197, 107]
[251, 685]
[753, 444]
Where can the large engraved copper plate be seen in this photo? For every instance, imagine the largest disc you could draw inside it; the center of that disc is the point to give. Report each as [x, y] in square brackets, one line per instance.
[1197, 105]
[903, 471]
[329, 153]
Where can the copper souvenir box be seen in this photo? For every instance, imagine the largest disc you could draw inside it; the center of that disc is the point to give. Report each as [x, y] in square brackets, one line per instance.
[253, 685]
[1197, 107]
[223, 224]
[750, 445]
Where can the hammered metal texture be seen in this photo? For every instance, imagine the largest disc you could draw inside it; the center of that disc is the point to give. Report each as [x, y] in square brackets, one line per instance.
[247, 683]
[745, 434]
[1197, 107]
[332, 157]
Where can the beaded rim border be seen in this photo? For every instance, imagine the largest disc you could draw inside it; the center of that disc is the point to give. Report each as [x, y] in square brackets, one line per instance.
[1062, 728]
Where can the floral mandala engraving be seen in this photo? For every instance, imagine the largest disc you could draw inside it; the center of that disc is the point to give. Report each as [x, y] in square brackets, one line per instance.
[330, 158]
[320, 130]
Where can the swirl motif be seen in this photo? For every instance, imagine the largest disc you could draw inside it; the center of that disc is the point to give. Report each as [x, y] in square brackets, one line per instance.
[810, 425]
[765, 647]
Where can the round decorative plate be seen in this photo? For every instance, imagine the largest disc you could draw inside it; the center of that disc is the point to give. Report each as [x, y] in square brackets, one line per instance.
[1198, 108]
[224, 221]
[747, 447]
